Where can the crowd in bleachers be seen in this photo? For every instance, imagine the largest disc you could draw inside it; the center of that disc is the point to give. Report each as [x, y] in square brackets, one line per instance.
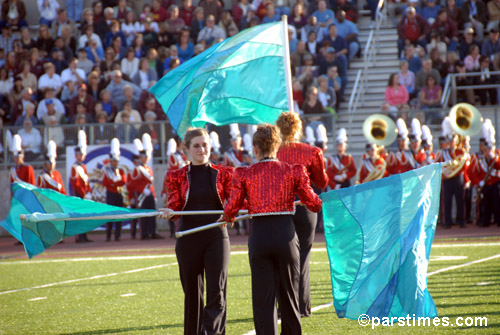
[94, 65]
[436, 39]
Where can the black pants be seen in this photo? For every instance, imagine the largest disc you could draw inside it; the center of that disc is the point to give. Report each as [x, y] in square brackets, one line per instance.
[273, 250]
[305, 225]
[114, 199]
[204, 254]
[468, 204]
[148, 224]
[454, 188]
[490, 204]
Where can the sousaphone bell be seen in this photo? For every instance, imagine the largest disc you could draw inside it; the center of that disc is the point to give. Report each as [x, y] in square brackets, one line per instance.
[465, 119]
[380, 129]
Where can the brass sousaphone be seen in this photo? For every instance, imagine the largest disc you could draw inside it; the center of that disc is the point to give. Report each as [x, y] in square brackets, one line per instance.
[380, 129]
[465, 119]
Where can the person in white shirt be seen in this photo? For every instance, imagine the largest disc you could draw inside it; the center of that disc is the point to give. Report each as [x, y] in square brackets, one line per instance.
[73, 73]
[211, 33]
[31, 140]
[87, 36]
[49, 99]
[130, 64]
[48, 11]
[50, 79]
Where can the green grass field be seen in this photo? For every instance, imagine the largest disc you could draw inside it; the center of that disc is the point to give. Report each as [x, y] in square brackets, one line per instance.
[144, 295]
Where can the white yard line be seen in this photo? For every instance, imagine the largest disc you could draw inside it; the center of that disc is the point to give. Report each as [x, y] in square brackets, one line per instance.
[463, 265]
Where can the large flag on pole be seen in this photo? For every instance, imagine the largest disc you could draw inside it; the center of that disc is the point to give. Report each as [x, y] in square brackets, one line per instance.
[240, 80]
[379, 237]
[71, 216]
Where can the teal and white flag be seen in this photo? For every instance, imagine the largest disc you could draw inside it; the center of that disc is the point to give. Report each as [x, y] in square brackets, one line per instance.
[240, 80]
[379, 237]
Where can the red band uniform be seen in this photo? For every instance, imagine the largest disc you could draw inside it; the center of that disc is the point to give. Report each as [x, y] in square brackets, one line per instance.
[113, 178]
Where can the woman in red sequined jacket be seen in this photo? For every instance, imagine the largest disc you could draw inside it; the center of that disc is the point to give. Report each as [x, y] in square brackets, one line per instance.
[294, 152]
[201, 186]
[269, 187]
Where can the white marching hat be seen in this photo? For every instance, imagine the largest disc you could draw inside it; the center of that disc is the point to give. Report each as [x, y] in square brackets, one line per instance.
[171, 146]
[402, 129]
[147, 145]
[82, 143]
[447, 129]
[16, 147]
[426, 135]
[342, 136]
[51, 151]
[488, 133]
[416, 131]
[114, 152]
[234, 131]
[310, 137]
[215, 143]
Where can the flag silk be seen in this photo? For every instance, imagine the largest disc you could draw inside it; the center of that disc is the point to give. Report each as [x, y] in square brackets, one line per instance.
[37, 236]
[240, 80]
[379, 237]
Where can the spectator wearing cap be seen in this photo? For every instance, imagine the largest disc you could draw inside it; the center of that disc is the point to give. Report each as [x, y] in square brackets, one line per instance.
[81, 98]
[430, 11]
[13, 14]
[349, 31]
[491, 45]
[61, 20]
[474, 15]
[447, 29]
[210, 33]
[412, 29]
[49, 99]
[467, 42]
[493, 14]
[48, 11]
[332, 60]
[50, 79]
[73, 73]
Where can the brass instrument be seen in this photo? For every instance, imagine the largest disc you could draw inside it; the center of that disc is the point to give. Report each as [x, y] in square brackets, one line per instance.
[465, 119]
[380, 130]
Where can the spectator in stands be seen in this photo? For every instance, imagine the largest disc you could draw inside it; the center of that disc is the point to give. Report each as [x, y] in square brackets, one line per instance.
[20, 104]
[120, 11]
[119, 50]
[312, 45]
[186, 12]
[337, 42]
[326, 94]
[28, 78]
[31, 140]
[149, 103]
[97, 10]
[324, 15]
[335, 83]
[6, 86]
[349, 31]
[128, 96]
[185, 47]
[13, 14]
[406, 77]
[108, 105]
[88, 34]
[83, 62]
[81, 113]
[159, 13]
[474, 16]
[87, 19]
[468, 94]
[491, 45]
[29, 114]
[449, 65]
[51, 113]
[307, 77]
[298, 98]
[103, 25]
[210, 33]
[114, 30]
[149, 127]
[447, 29]
[396, 94]
[67, 49]
[437, 62]
[144, 75]
[134, 115]
[6, 39]
[125, 131]
[103, 133]
[107, 63]
[486, 78]
[454, 13]
[271, 15]
[48, 11]
[49, 99]
[44, 42]
[297, 57]
[15, 94]
[312, 25]
[50, 79]
[472, 60]
[421, 76]
[394, 6]
[298, 19]
[227, 23]
[94, 52]
[467, 42]
[175, 23]
[312, 105]
[61, 20]
[130, 64]
[155, 63]
[430, 97]
[27, 42]
[430, 11]
[493, 14]
[69, 91]
[212, 7]
[129, 27]
[349, 7]
[412, 29]
[197, 23]
[11, 64]
[149, 36]
[332, 60]
[73, 73]
[82, 98]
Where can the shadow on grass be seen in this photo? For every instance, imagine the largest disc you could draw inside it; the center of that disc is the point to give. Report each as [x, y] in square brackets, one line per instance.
[125, 330]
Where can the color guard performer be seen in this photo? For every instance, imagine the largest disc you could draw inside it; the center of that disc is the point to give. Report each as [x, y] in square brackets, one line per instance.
[201, 186]
[427, 145]
[234, 156]
[50, 177]
[132, 193]
[142, 180]
[485, 174]
[79, 178]
[453, 174]
[113, 179]
[270, 187]
[22, 172]
[373, 166]
[294, 152]
[340, 167]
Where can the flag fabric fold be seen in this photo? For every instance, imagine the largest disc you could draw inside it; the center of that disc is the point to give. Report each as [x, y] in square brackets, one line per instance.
[379, 237]
[38, 236]
[240, 80]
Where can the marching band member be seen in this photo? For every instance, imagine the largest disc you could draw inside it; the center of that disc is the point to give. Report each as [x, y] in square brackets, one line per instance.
[485, 173]
[341, 167]
[50, 177]
[415, 138]
[373, 166]
[113, 179]
[132, 193]
[201, 186]
[79, 177]
[142, 180]
[22, 171]
[273, 247]
[234, 156]
[453, 174]
[215, 158]
[293, 152]
[401, 160]
[427, 145]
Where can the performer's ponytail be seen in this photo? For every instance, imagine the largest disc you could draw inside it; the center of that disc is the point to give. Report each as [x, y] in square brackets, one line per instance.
[267, 139]
[290, 126]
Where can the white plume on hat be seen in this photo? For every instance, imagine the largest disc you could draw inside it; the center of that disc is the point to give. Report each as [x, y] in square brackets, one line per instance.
[138, 146]
[426, 134]
[147, 144]
[215, 143]
[321, 134]
[114, 152]
[52, 150]
[234, 131]
[16, 147]
[402, 129]
[82, 142]
[171, 146]
[310, 138]
[488, 132]
[342, 136]
[248, 143]
[416, 129]
[446, 127]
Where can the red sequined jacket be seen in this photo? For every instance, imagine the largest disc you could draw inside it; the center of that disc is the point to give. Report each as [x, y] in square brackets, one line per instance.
[270, 187]
[307, 155]
[177, 184]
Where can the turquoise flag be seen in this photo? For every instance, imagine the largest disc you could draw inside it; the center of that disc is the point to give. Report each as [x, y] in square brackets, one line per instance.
[379, 237]
[38, 235]
[240, 80]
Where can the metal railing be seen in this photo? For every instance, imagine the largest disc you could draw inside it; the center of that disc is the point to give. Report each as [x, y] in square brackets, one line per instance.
[454, 88]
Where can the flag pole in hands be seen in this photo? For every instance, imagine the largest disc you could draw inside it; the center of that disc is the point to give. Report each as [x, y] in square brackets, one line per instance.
[286, 62]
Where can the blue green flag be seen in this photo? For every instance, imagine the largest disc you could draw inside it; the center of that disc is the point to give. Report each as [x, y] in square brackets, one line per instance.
[37, 235]
[379, 237]
[240, 80]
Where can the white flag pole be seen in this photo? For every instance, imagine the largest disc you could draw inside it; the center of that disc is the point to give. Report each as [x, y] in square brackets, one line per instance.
[286, 62]
[179, 234]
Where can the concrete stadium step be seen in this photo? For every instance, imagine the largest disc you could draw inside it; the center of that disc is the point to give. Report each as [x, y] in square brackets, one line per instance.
[382, 63]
